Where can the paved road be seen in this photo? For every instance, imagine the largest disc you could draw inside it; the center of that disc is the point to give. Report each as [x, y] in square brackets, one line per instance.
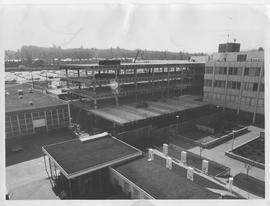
[218, 154]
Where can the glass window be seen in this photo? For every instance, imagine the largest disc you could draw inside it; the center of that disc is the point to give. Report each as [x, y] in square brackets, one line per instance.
[246, 72]
[241, 57]
[255, 86]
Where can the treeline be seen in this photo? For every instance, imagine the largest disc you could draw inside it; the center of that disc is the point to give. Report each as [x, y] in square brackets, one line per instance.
[53, 55]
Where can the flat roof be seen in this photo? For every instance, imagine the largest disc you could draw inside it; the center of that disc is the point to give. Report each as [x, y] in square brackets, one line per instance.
[162, 183]
[129, 112]
[40, 100]
[75, 158]
[127, 65]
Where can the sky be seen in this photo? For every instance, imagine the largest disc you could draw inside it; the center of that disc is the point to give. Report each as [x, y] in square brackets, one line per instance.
[181, 27]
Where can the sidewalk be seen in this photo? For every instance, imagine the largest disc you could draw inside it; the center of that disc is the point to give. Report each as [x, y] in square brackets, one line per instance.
[28, 180]
[218, 154]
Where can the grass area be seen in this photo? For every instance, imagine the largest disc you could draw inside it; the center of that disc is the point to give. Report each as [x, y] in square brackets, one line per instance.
[254, 150]
[195, 134]
[31, 145]
[250, 184]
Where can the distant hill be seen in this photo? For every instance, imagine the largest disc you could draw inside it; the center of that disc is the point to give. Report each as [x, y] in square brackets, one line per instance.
[28, 55]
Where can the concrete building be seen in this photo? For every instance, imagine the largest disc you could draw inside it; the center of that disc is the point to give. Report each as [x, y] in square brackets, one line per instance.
[29, 112]
[235, 80]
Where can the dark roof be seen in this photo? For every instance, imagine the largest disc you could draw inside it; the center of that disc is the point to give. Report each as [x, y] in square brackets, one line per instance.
[40, 100]
[162, 183]
[75, 157]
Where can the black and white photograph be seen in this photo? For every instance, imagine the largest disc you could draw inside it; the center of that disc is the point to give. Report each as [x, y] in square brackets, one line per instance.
[134, 101]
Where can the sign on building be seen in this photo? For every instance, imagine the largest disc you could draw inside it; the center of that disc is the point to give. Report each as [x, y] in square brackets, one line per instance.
[39, 123]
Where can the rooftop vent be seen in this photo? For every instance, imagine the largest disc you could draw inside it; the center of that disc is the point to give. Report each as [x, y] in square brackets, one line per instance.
[7, 93]
[20, 92]
[92, 137]
[20, 96]
[31, 103]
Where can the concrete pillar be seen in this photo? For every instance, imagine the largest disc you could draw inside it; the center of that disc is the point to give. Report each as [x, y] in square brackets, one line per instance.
[190, 173]
[165, 149]
[150, 154]
[205, 167]
[169, 163]
[230, 184]
[95, 104]
[184, 157]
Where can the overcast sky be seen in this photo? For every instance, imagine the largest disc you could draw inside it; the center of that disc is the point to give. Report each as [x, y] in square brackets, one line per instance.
[187, 28]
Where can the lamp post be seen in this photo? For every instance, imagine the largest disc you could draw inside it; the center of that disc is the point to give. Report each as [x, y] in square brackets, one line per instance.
[232, 139]
[177, 118]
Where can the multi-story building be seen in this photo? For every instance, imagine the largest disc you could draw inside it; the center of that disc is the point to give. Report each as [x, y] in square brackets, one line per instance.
[235, 80]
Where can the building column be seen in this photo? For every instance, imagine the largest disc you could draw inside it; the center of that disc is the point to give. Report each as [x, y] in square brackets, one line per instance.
[69, 114]
[46, 121]
[19, 126]
[257, 95]
[168, 81]
[116, 94]
[241, 90]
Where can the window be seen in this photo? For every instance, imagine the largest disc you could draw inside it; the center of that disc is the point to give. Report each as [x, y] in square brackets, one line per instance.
[246, 73]
[235, 71]
[252, 71]
[255, 87]
[219, 83]
[209, 70]
[208, 83]
[241, 57]
[221, 70]
[262, 87]
[234, 85]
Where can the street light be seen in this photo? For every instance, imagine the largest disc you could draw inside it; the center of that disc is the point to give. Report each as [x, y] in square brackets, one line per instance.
[177, 117]
[232, 139]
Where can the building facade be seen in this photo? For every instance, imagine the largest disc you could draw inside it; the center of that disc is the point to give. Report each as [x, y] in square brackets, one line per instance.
[22, 123]
[235, 80]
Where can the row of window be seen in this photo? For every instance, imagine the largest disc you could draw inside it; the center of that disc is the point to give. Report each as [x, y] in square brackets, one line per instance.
[248, 86]
[234, 99]
[22, 124]
[249, 71]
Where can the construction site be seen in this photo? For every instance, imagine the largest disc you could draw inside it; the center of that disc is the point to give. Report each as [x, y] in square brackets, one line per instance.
[124, 113]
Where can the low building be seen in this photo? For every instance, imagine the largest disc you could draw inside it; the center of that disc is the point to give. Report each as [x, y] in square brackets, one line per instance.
[29, 111]
[79, 168]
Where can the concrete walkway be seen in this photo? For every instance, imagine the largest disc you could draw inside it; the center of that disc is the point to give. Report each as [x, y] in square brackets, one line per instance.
[217, 154]
[28, 181]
